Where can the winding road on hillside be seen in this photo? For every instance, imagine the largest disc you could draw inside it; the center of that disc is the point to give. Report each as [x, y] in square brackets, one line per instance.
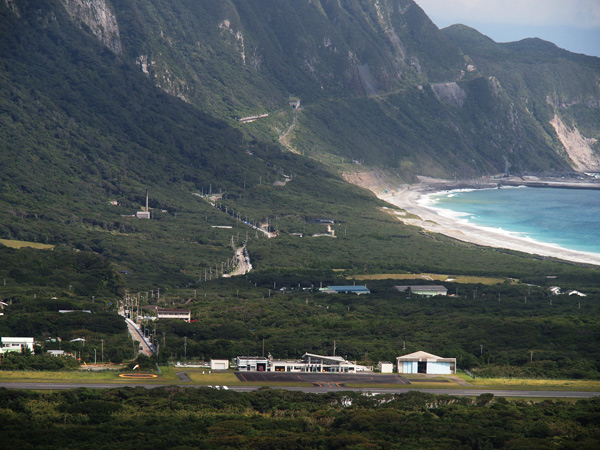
[244, 264]
[283, 136]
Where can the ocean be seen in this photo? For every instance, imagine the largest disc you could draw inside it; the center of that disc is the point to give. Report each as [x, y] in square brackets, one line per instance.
[568, 218]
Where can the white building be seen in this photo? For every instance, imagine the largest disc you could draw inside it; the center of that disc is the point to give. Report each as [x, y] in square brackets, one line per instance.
[252, 363]
[59, 353]
[425, 363]
[385, 367]
[15, 344]
[425, 290]
[219, 364]
[309, 363]
[183, 314]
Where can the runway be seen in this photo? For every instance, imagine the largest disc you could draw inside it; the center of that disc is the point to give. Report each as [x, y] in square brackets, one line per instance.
[328, 387]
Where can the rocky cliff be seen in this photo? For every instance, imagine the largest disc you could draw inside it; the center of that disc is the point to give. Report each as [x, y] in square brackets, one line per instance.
[99, 17]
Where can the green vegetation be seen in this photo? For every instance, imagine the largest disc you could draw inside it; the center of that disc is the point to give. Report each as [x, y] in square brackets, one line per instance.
[433, 277]
[21, 244]
[84, 133]
[15, 361]
[516, 331]
[207, 418]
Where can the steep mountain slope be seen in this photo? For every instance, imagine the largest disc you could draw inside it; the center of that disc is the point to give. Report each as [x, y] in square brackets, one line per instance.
[84, 135]
[238, 56]
[559, 89]
[438, 104]
[102, 100]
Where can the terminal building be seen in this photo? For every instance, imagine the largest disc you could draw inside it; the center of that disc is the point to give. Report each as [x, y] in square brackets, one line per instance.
[252, 363]
[309, 363]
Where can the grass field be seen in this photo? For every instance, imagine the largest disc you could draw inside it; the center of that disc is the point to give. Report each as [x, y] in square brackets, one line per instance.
[515, 383]
[434, 277]
[20, 244]
[80, 376]
[168, 375]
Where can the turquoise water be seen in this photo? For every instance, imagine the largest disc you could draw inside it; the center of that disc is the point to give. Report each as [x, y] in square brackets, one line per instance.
[569, 218]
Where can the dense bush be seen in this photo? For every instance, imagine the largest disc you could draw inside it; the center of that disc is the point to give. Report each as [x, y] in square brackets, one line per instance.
[207, 418]
[17, 361]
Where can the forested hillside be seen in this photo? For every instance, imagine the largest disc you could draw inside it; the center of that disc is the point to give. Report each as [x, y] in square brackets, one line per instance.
[378, 83]
[102, 100]
[206, 418]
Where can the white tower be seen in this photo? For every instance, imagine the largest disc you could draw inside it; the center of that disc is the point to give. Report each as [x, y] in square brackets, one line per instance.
[146, 213]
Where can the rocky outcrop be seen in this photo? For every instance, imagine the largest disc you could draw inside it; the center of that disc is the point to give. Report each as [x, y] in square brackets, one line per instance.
[450, 93]
[11, 5]
[579, 148]
[99, 18]
[237, 36]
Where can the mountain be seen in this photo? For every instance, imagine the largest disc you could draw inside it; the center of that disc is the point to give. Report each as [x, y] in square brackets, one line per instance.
[556, 88]
[102, 100]
[438, 103]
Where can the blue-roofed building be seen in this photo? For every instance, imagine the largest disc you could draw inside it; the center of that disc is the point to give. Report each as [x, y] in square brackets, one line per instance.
[358, 290]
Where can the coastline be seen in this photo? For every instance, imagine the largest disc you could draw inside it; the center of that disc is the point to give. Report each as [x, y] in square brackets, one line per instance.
[407, 198]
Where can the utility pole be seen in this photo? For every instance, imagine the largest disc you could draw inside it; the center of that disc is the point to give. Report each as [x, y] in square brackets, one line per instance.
[102, 350]
[185, 348]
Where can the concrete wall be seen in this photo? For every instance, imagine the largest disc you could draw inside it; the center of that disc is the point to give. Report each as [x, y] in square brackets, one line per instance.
[439, 368]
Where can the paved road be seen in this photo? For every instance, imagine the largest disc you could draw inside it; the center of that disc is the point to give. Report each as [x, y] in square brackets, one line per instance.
[319, 390]
[136, 335]
[244, 265]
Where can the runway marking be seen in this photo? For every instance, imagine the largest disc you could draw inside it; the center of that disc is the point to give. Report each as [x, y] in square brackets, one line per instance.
[138, 375]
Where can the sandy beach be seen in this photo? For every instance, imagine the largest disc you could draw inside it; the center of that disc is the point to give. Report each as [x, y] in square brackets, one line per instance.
[407, 198]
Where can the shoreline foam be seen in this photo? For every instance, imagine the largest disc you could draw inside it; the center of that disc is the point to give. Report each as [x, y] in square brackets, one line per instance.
[411, 199]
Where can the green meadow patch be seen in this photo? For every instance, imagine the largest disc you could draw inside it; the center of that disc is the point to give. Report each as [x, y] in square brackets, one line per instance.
[463, 279]
[20, 244]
